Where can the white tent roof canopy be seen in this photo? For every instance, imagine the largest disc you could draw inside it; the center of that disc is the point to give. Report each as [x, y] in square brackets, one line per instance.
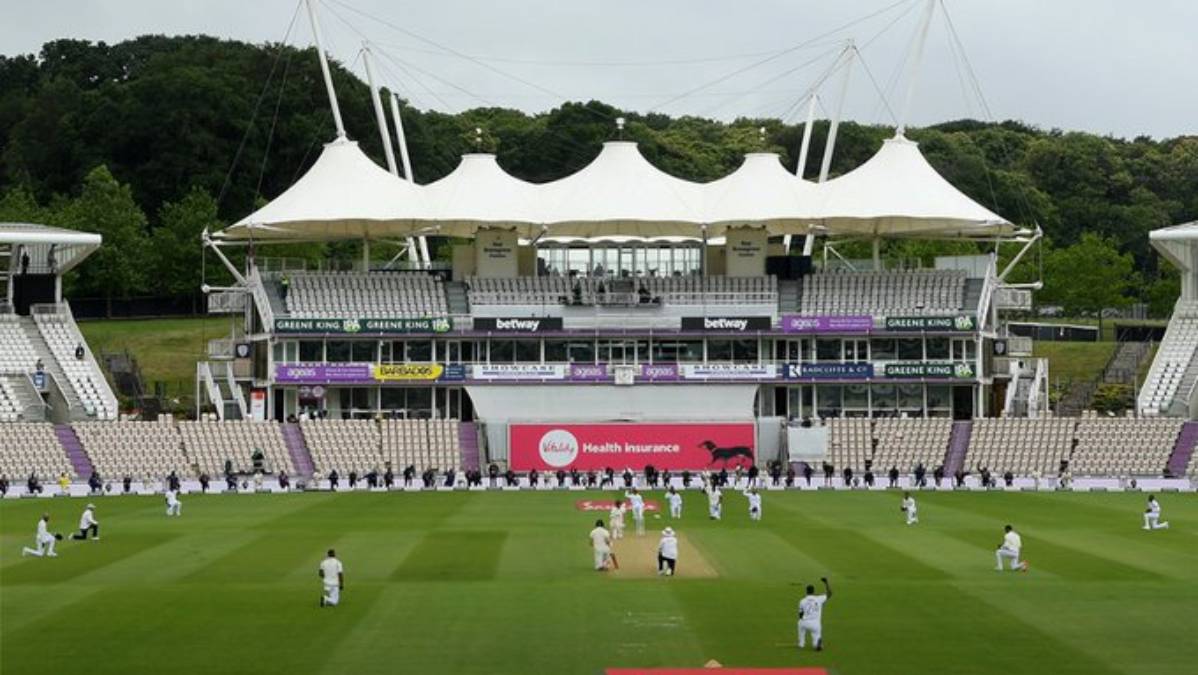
[896, 193]
[344, 195]
[43, 243]
[478, 193]
[1179, 245]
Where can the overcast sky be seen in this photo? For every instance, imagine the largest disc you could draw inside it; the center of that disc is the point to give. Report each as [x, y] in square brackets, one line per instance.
[1108, 66]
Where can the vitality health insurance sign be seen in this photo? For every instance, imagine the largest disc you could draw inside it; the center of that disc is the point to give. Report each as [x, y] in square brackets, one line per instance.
[549, 447]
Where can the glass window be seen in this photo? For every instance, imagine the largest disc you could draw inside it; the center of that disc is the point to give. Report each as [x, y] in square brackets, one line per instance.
[420, 402]
[311, 351]
[883, 349]
[885, 397]
[555, 351]
[744, 351]
[910, 399]
[470, 350]
[581, 352]
[393, 398]
[910, 349]
[677, 351]
[503, 351]
[420, 351]
[937, 348]
[719, 350]
[939, 397]
[856, 396]
[827, 350]
[363, 398]
[528, 351]
[364, 351]
[338, 351]
[828, 398]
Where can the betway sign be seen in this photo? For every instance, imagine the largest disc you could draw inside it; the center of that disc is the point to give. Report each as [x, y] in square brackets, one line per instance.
[726, 324]
[519, 324]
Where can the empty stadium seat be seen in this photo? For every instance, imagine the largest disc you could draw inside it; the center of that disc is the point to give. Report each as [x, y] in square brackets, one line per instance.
[909, 292]
[359, 295]
[31, 448]
[1115, 446]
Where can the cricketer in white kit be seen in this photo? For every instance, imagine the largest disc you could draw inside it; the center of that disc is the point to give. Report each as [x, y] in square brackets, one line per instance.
[1012, 544]
[910, 509]
[43, 540]
[715, 504]
[601, 546]
[1152, 516]
[754, 498]
[811, 613]
[174, 507]
[637, 502]
[675, 501]
[616, 517]
[332, 577]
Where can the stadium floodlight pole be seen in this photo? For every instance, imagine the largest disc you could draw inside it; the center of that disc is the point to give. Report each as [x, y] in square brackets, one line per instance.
[400, 140]
[384, 134]
[921, 39]
[324, 69]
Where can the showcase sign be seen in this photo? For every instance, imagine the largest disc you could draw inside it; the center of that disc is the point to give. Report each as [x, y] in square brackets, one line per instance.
[919, 371]
[515, 372]
[726, 324]
[600, 372]
[728, 371]
[962, 323]
[795, 323]
[586, 447]
[829, 371]
[518, 324]
[363, 326]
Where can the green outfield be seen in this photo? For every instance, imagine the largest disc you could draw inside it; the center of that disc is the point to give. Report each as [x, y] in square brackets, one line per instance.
[501, 583]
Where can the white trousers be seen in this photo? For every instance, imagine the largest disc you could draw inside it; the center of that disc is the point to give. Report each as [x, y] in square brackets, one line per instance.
[175, 509]
[617, 529]
[332, 594]
[675, 510]
[1152, 521]
[811, 628]
[638, 518]
[912, 517]
[754, 514]
[601, 559]
[1006, 554]
[45, 548]
[714, 511]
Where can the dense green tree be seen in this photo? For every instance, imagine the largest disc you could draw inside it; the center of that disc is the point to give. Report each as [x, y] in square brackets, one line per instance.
[1088, 276]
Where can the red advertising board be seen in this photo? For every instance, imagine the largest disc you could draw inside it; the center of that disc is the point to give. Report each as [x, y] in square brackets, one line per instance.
[674, 446]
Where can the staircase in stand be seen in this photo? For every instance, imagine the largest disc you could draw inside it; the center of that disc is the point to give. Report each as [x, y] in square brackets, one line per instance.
[74, 449]
[301, 459]
[468, 441]
[1183, 450]
[958, 446]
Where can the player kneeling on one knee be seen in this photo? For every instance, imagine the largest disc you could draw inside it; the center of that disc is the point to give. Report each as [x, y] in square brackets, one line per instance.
[44, 540]
[88, 522]
[1012, 543]
[332, 576]
[811, 611]
[667, 553]
[1152, 516]
[174, 507]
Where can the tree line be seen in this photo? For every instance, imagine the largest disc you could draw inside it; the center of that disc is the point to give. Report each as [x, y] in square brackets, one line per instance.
[150, 140]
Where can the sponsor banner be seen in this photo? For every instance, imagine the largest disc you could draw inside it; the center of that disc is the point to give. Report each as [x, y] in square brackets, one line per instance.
[519, 371]
[797, 323]
[407, 372]
[918, 370]
[520, 324]
[727, 324]
[549, 447]
[728, 371]
[366, 373]
[659, 372]
[323, 373]
[861, 370]
[608, 504]
[589, 372]
[355, 326]
[962, 323]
